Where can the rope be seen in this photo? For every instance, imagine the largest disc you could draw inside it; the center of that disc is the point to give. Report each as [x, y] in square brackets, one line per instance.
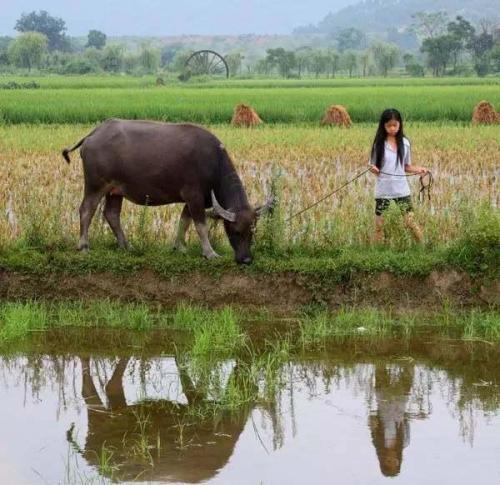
[421, 193]
[327, 195]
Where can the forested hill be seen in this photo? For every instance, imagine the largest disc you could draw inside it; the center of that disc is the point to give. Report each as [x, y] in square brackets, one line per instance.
[383, 15]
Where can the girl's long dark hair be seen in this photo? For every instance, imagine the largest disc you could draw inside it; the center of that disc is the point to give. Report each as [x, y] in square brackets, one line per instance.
[378, 146]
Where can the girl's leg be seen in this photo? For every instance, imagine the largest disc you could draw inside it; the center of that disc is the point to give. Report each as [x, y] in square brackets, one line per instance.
[415, 229]
[379, 229]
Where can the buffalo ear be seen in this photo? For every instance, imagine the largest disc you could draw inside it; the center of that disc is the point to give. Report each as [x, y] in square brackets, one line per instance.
[267, 208]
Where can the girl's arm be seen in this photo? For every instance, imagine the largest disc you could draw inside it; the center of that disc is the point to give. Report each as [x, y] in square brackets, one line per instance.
[416, 169]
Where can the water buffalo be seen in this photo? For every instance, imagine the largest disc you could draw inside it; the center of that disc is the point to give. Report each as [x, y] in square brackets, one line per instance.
[181, 444]
[153, 163]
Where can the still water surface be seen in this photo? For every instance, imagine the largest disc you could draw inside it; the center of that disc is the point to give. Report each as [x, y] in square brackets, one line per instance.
[430, 416]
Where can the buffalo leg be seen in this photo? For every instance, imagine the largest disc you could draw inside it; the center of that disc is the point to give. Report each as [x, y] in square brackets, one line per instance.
[87, 210]
[114, 388]
[197, 210]
[89, 392]
[112, 211]
[184, 223]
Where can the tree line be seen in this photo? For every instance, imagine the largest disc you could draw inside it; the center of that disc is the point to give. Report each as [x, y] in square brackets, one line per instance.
[453, 47]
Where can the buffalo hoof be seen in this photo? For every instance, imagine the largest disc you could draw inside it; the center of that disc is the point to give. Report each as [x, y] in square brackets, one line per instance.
[247, 260]
[212, 255]
[83, 248]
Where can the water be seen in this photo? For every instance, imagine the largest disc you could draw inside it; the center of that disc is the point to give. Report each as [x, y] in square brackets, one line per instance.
[420, 412]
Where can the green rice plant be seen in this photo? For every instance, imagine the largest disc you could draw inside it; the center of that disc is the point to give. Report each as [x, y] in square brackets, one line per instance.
[397, 235]
[141, 446]
[108, 313]
[480, 325]
[219, 335]
[19, 319]
[105, 464]
[271, 230]
[478, 246]
[313, 162]
[317, 329]
[275, 103]
[187, 316]
[270, 366]
[143, 239]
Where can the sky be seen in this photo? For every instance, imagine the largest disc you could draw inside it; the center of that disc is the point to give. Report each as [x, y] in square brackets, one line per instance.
[174, 17]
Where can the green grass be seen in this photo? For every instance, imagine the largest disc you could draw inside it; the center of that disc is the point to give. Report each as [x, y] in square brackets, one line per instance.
[290, 104]
[19, 319]
[322, 327]
[476, 252]
[220, 333]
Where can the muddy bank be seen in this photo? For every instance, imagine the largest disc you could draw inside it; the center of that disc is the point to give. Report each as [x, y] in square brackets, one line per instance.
[278, 292]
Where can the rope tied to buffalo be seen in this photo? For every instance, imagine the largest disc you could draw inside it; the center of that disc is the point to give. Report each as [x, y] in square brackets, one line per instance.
[425, 189]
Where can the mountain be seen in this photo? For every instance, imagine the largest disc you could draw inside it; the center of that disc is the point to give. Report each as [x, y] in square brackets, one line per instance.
[379, 16]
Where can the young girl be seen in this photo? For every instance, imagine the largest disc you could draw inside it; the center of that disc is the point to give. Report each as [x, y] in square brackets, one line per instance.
[390, 161]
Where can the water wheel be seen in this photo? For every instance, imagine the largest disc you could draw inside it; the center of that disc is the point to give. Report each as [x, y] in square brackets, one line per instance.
[206, 62]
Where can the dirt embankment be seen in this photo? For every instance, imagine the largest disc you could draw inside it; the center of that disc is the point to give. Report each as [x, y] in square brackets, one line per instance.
[283, 292]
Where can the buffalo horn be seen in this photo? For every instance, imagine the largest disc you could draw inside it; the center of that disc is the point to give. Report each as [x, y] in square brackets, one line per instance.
[221, 212]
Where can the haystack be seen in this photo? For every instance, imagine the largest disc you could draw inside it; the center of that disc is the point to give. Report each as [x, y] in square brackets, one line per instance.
[485, 113]
[245, 115]
[337, 115]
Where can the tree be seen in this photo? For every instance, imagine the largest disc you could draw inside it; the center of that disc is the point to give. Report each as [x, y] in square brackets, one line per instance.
[93, 55]
[351, 38]
[364, 59]
[429, 24]
[461, 32]
[179, 62]
[284, 60]
[332, 61]
[439, 51]
[112, 58]
[481, 46]
[349, 61]
[96, 39]
[412, 67]
[149, 58]
[53, 28]
[385, 56]
[263, 67]
[303, 58]
[234, 61]
[495, 56]
[4, 48]
[319, 62]
[168, 53]
[28, 49]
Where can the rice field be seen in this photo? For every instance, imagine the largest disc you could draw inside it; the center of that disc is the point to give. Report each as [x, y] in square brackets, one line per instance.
[279, 102]
[115, 81]
[40, 194]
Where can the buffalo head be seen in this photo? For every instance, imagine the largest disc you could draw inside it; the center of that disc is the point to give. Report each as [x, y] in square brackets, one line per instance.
[239, 226]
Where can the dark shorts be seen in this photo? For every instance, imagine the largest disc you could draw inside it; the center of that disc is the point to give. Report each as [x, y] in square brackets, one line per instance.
[404, 204]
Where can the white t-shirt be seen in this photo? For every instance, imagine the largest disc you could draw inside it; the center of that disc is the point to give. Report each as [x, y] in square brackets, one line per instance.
[390, 186]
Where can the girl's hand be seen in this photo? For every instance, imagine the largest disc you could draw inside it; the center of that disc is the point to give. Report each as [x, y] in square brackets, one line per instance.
[422, 171]
[374, 169]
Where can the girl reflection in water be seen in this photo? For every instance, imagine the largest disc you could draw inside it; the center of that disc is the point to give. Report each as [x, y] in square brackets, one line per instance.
[389, 424]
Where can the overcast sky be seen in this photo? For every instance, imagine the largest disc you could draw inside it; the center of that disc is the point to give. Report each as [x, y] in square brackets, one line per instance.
[174, 17]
